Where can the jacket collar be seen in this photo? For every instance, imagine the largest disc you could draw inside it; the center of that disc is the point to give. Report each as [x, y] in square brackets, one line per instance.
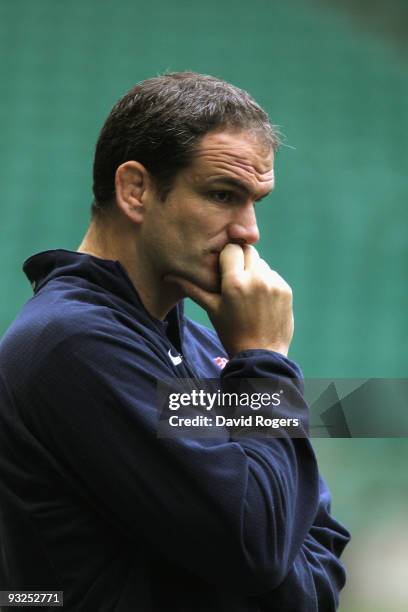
[107, 274]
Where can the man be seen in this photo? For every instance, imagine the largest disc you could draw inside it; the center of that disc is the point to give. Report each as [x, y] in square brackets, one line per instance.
[95, 503]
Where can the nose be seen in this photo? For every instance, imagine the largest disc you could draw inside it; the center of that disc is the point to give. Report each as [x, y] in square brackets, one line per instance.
[243, 228]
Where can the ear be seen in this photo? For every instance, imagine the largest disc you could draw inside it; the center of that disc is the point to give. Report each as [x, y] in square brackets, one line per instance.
[132, 182]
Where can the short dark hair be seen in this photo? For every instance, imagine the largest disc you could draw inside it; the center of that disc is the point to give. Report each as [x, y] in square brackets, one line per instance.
[160, 122]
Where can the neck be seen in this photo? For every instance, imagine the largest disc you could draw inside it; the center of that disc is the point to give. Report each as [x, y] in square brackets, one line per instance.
[115, 239]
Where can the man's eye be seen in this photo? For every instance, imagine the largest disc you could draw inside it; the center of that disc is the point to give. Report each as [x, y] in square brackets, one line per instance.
[222, 196]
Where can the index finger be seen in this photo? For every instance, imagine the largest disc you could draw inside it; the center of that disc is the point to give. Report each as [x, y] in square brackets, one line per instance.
[232, 259]
[251, 256]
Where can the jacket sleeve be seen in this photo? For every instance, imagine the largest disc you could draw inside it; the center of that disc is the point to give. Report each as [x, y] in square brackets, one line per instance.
[316, 576]
[233, 513]
[313, 580]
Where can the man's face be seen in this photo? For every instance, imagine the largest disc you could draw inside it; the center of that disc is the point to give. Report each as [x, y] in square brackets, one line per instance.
[211, 204]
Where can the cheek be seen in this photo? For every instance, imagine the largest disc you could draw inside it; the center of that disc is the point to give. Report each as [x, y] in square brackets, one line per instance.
[196, 223]
[213, 223]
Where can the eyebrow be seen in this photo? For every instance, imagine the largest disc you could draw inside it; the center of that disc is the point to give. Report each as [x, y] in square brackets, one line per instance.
[232, 182]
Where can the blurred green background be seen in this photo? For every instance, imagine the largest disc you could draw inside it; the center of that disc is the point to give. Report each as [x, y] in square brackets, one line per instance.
[333, 75]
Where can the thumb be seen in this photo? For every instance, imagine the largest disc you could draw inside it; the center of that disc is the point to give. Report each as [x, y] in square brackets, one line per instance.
[207, 300]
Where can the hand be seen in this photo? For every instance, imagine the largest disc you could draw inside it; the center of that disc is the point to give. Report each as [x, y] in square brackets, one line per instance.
[254, 308]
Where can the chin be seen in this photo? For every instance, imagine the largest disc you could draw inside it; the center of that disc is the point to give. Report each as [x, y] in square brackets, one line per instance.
[211, 283]
[206, 278]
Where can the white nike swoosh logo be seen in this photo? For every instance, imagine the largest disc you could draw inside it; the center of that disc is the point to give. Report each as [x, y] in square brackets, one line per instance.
[175, 359]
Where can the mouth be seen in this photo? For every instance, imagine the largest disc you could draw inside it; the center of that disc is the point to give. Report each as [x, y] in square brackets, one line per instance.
[213, 259]
[217, 251]
[214, 255]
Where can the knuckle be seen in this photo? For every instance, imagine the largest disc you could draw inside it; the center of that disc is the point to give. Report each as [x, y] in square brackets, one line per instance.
[288, 291]
[280, 291]
[274, 291]
[234, 283]
[259, 284]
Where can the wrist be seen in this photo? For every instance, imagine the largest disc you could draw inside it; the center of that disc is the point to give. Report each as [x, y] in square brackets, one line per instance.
[283, 349]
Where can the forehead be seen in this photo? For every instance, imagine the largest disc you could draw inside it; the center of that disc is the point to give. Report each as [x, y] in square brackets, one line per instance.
[241, 156]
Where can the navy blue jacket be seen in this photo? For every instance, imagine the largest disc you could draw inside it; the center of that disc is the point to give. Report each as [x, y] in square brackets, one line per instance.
[93, 502]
